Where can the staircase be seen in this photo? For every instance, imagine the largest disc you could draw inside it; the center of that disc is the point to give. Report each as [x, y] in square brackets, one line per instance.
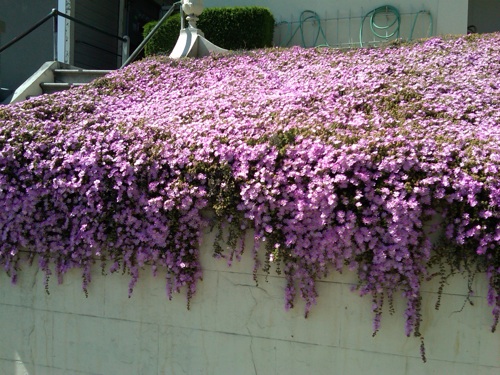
[70, 77]
[53, 76]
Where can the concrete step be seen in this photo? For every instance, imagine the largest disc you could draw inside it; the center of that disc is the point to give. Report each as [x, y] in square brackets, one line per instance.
[67, 78]
[52, 87]
[78, 75]
[51, 77]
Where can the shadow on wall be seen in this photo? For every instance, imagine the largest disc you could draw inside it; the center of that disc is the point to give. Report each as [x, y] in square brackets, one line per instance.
[484, 16]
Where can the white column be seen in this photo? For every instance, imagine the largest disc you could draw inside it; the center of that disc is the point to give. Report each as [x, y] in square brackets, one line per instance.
[65, 32]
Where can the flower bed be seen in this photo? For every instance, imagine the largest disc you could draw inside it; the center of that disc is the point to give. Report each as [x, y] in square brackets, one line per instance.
[334, 158]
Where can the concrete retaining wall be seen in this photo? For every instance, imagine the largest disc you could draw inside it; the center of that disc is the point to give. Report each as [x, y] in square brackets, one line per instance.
[233, 327]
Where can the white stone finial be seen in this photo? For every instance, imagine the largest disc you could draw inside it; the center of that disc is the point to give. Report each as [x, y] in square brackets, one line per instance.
[192, 42]
[192, 9]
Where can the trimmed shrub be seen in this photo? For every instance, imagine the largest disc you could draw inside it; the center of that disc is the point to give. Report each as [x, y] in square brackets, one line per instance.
[238, 27]
[234, 28]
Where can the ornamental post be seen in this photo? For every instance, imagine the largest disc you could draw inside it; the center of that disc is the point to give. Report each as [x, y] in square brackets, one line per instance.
[192, 41]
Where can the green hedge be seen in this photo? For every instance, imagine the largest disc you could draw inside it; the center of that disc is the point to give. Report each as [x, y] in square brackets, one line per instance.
[238, 27]
[233, 28]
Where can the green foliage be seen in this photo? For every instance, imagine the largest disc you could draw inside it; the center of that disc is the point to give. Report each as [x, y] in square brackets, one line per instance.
[163, 41]
[238, 27]
[233, 28]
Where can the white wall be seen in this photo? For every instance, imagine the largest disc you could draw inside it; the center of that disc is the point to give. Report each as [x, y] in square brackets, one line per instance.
[233, 327]
[449, 17]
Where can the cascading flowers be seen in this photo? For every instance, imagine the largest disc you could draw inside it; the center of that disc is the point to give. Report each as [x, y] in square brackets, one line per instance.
[335, 159]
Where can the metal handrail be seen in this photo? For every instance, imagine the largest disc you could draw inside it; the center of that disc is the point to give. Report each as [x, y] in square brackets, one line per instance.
[54, 14]
[104, 50]
[151, 33]
[30, 30]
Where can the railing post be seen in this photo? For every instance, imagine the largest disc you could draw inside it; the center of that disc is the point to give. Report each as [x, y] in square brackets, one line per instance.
[182, 18]
[54, 35]
[125, 48]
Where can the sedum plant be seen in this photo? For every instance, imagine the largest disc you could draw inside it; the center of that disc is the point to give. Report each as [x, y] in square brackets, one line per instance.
[335, 158]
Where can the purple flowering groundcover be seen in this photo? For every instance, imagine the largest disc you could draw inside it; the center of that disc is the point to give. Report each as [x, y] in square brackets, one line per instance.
[335, 158]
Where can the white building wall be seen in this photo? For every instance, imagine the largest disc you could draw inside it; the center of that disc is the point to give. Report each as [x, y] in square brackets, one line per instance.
[449, 17]
[233, 327]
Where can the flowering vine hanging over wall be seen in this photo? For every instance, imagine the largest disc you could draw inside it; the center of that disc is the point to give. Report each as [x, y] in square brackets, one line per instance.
[335, 158]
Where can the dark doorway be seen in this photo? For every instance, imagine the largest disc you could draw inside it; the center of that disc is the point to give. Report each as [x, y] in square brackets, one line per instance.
[139, 12]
